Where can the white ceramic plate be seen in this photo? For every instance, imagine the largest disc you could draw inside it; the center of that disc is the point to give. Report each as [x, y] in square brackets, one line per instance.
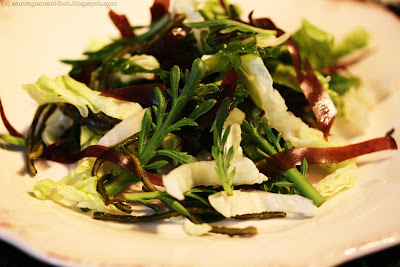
[358, 221]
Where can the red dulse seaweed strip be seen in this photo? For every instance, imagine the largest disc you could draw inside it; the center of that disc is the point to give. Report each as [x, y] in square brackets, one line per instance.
[142, 93]
[169, 43]
[7, 124]
[122, 23]
[318, 99]
[85, 75]
[53, 153]
[290, 158]
[159, 9]
[227, 89]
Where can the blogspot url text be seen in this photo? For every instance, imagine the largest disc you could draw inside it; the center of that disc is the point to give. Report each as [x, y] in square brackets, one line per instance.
[56, 3]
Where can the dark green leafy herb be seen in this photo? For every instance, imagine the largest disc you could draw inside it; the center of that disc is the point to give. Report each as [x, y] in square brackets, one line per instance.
[342, 83]
[165, 121]
[222, 158]
[270, 145]
[225, 26]
[163, 196]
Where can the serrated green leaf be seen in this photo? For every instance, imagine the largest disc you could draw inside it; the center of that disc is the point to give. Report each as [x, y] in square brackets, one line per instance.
[304, 167]
[287, 144]
[175, 204]
[225, 135]
[256, 115]
[221, 117]
[202, 109]
[229, 155]
[156, 165]
[232, 176]
[143, 134]
[283, 184]
[162, 105]
[182, 122]
[165, 123]
[206, 90]
[225, 26]
[202, 200]
[175, 78]
[181, 157]
[270, 135]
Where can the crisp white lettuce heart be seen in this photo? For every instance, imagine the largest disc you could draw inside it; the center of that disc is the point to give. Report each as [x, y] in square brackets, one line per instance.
[249, 202]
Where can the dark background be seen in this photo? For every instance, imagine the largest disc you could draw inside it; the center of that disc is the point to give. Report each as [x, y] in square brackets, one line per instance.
[13, 257]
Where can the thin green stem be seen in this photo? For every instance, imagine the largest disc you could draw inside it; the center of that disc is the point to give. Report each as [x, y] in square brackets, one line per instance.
[293, 175]
[119, 182]
[198, 70]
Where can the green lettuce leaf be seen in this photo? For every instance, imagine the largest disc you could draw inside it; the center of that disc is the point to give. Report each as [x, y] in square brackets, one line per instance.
[357, 38]
[67, 90]
[320, 48]
[340, 179]
[75, 190]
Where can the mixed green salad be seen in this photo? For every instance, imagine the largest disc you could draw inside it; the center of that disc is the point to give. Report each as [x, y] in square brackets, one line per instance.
[203, 115]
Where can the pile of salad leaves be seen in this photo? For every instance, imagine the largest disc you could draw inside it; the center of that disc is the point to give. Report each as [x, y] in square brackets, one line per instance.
[203, 115]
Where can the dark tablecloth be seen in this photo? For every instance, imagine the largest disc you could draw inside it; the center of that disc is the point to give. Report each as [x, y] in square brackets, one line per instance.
[12, 257]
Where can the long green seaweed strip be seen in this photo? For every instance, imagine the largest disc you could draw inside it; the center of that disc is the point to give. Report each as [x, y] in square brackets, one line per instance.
[102, 190]
[248, 231]
[142, 174]
[122, 207]
[135, 219]
[128, 141]
[96, 166]
[147, 203]
[261, 216]
[34, 145]
[38, 145]
[149, 218]
[99, 123]
[30, 139]
[110, 199]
